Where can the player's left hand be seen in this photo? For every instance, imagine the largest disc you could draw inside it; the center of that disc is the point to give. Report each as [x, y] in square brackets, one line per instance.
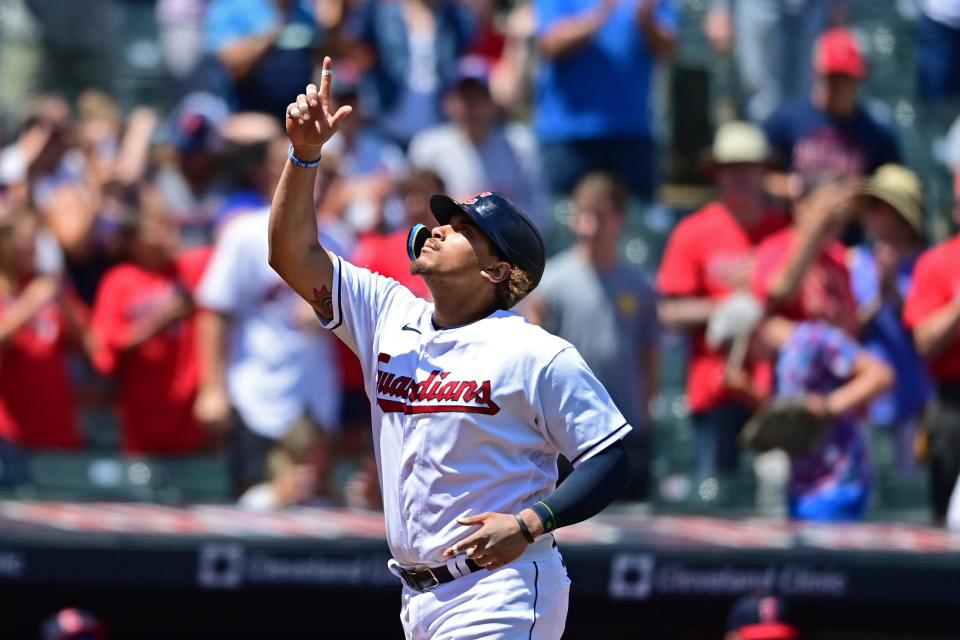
[498, 542]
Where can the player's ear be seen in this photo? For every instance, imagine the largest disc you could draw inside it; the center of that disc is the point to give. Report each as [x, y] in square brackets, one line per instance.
[497, 273]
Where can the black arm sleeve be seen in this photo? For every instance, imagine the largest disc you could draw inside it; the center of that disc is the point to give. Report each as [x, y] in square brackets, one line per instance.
[589, 488]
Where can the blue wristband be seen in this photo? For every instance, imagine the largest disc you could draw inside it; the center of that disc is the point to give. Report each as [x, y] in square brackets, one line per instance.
[297, 162]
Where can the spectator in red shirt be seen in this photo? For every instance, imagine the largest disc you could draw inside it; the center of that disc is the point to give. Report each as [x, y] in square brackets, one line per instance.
[386, 254]
[37, 323]
[708, 256]
[143, 332]
[801, 272]
[932, 313]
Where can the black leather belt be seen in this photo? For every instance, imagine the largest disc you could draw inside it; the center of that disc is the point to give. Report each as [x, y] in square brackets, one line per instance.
[427, 578]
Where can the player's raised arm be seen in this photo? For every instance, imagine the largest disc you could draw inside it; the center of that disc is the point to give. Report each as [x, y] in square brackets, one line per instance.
[295, 251]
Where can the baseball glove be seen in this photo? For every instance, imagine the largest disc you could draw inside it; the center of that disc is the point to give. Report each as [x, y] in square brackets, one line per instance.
[784, 423]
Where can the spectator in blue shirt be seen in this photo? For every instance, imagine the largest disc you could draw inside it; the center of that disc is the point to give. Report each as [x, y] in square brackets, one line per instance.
[830, 136]
[267, 47]
[592, 106]
[881, 271]
[409, 50]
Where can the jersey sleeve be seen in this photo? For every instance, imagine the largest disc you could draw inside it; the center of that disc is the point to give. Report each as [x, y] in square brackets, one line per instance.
[578, 416]
[361, 301]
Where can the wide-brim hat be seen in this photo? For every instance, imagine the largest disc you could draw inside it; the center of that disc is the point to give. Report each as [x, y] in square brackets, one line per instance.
[739, 143]
[901, 189]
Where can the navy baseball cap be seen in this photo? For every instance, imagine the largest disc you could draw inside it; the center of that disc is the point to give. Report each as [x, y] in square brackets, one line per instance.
[194, 123]
[511, 231]
[471, 68]
[761, 617]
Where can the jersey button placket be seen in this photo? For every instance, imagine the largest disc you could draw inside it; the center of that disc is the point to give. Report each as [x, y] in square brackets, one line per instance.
[423, 431]
[409, 487]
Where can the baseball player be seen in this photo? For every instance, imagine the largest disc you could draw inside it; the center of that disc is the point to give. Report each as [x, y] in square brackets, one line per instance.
[471, 405]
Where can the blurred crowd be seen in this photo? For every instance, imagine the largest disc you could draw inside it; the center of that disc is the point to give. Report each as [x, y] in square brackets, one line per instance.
[133, 257]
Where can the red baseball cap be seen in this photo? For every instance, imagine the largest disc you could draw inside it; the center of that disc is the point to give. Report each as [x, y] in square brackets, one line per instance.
[838, 53]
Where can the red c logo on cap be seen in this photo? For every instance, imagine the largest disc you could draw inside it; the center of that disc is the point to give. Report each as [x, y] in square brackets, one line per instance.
[474, 199]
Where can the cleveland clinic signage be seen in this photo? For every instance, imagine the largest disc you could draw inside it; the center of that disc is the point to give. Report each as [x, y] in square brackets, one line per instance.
[642, 576]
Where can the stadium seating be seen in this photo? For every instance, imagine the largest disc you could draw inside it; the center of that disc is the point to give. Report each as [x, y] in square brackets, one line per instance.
[95, 476]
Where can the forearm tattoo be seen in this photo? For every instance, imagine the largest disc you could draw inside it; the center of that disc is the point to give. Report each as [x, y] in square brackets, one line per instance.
[323, 303]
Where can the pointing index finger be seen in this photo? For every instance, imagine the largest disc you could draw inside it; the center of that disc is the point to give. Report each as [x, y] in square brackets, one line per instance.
[326, 76]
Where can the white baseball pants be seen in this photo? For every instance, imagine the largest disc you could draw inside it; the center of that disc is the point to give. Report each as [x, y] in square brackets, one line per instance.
[525, 600]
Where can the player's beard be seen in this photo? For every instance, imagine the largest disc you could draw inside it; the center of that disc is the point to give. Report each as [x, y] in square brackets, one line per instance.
[419, 268]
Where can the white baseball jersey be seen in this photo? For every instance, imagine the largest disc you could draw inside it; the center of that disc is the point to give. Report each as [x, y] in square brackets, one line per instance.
[466, 419]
